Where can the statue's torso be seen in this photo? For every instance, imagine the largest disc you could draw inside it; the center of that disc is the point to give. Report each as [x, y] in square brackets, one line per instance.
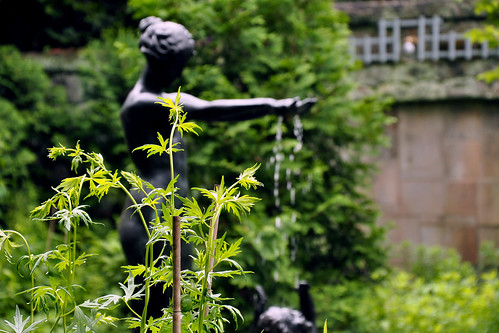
[142, 120]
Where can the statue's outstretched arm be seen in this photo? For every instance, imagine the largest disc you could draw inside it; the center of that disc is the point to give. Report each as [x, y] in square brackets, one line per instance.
[242, 109]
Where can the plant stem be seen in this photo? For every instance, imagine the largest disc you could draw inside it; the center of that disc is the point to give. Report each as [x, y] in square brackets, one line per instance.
[142, 218]
[214, 229]
[172, 171]
[176, 247]
[207, 268]
[177, 311]
[148, 263]
[32, 308]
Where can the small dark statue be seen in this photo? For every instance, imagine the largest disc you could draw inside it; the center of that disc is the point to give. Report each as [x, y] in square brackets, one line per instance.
[167, 47]
[284, 320]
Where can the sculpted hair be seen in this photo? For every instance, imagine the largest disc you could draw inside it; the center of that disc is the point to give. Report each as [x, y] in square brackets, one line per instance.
[165, 40]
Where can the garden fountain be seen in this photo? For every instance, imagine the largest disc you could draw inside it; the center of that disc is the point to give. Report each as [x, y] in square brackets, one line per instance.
[167, 47]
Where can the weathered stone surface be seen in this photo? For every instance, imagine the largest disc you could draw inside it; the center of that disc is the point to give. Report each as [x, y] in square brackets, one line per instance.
[490, 152]
[439, 184]
[420, 154]
[423, 198]
[413, 81]
[387, 187]
[432, 235]
[406, 229]
[362, 12]
[464, 239]
[461, 200]
[488, 203]
[486, 234]
[462, 160]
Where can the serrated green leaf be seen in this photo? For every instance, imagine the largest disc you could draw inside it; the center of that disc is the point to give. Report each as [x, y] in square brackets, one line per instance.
[19, 323]
[134, 180]
[130, 289]
[82, 323]
[151, 149]
[247, 178]
[7, 245]
[42, 211]
[55, 152]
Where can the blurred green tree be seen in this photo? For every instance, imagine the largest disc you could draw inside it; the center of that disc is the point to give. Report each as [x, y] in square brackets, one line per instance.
[57, 23]
[33, 114]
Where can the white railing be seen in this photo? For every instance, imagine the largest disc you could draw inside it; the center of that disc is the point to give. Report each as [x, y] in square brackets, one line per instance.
[397, 39]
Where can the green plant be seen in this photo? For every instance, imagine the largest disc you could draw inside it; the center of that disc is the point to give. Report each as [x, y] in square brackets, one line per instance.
[437, 292]
[64, 297]
[451, 302]
[432, 291]
[488, 33]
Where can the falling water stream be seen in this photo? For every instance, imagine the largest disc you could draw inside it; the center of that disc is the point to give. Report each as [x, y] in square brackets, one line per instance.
[279, 157]
[277, 160]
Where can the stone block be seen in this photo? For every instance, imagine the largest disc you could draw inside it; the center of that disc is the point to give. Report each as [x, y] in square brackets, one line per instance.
[420, 137]
[386, 187]
[424, 198]
[490, 120]
[432, 235]
[463, 124]
[461, 199]
[405, 229]
[463, 159]
[464, 240]
[488, 204]
[490, 152]
[488, 234]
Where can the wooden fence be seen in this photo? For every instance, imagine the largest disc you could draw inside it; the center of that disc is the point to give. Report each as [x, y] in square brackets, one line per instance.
[420, 38]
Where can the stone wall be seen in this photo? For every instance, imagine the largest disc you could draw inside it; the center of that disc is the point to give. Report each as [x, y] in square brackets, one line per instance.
[439, 182]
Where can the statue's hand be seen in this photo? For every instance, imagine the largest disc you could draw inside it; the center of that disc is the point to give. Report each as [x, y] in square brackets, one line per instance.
[294, 105]
[303, 106]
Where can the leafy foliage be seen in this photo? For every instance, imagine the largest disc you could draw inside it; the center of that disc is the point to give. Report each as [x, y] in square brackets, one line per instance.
[62, 295]
[489, 32]
[451, 298]
[34, 115]
[448, 295]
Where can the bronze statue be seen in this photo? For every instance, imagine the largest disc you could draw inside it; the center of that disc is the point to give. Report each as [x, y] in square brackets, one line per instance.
[167, 47]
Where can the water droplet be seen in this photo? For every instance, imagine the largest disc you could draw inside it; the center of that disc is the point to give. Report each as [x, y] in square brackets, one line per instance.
[278, 222]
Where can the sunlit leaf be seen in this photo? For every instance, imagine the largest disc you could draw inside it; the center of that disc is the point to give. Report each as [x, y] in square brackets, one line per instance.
[19, 324]
[247, 178]
[130, 289]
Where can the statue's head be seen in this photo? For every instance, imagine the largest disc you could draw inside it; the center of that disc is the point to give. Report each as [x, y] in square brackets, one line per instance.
[165, 41]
